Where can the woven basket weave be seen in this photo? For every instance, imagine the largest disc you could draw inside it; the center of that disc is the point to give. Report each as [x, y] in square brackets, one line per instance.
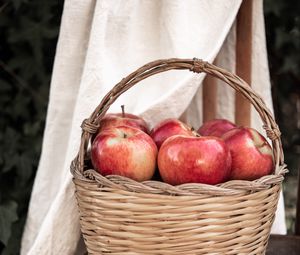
[121, 216]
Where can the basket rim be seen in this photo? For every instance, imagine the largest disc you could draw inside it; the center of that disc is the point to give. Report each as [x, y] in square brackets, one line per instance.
[90, 126]
[232, 187]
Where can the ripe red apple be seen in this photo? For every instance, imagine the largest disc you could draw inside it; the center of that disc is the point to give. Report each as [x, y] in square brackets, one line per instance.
[168, 128]
[251, 154]
[123, 119]
[125, 151]
[216, 127]
[188, 159]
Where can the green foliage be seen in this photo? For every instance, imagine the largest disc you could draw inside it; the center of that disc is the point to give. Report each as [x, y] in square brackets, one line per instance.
[29, 31]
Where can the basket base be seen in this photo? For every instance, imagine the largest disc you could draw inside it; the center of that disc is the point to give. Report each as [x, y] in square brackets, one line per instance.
[122, 222]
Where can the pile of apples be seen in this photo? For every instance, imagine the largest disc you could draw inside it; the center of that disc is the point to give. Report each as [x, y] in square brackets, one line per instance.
[219, 151]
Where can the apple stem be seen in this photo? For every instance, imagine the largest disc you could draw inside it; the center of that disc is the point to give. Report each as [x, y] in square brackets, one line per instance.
[124, 135]
[195, 133]
[123, 110]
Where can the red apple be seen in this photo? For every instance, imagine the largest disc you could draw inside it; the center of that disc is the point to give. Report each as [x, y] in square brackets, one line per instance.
[188, 159]
[216, 127]
[251, 154]
[125, 151]
[168, 128]
[123, 119]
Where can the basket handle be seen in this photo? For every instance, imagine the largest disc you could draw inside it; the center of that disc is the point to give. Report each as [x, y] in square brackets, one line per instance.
[90, 125]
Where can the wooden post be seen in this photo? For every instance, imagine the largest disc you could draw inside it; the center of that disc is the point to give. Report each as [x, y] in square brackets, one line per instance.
[243, 60]
[209, 98]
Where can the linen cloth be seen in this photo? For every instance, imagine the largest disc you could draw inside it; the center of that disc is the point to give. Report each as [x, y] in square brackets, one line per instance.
[101, 42]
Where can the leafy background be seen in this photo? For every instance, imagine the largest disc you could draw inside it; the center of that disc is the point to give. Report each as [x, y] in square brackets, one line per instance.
[29, 31]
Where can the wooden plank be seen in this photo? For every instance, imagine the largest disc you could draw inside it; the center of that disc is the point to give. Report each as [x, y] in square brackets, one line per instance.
[209, 98]
[297, 223]
[283, 245]
[243, 60]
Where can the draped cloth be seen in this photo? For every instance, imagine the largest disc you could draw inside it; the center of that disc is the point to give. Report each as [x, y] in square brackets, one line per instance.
[101, 42]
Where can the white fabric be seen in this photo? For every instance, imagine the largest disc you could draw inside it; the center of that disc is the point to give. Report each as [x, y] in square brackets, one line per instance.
[102, 41]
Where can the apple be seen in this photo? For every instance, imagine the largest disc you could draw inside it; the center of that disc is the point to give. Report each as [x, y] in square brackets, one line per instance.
[123, 119]
[216, 127]
[168, 128]
[251, 154]
[187, 159]
[125, 151]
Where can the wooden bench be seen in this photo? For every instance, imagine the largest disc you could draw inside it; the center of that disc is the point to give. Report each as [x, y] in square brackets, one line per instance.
[283, 245]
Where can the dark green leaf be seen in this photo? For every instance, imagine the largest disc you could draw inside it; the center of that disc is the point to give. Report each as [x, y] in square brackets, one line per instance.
[8, 215]
[5, 87]
[25, 167]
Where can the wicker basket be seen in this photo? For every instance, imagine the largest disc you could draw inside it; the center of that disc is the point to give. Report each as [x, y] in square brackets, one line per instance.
[122, 216]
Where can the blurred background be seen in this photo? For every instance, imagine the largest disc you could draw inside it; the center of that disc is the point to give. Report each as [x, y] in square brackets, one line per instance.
[29, 33]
